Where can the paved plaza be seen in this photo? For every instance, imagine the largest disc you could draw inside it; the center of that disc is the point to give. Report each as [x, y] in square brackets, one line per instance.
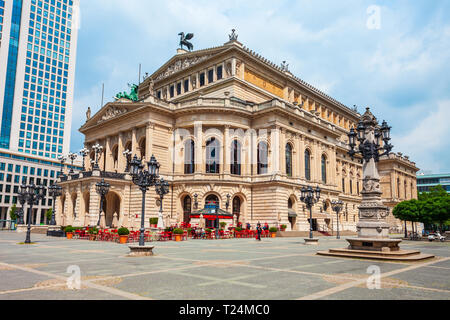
[237, 269]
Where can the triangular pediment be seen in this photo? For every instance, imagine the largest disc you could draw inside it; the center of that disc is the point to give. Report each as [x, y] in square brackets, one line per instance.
[111, 111]
[183, 61]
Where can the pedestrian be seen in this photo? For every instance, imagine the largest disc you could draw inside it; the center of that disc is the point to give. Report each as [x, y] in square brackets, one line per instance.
[259, 229]
[248, 226]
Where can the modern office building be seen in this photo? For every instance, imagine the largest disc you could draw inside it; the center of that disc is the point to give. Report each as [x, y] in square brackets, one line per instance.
[37, 71]
[425, 181]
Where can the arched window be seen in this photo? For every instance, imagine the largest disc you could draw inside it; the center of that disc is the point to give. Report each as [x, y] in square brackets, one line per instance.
[262, 158]
[405, 190]
[235, 167]
[115, 156]
[189, 157]
[307, 165]
[398, 188]
[343, 185]
[237, 207]
[351, 186]
[324, 169]
[290, 204]
[142, 148]
[187, 209]
[212, 199]
[289, 160]
[212, 156]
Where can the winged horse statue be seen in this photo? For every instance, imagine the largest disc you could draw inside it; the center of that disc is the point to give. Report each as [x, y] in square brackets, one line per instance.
[184, 42]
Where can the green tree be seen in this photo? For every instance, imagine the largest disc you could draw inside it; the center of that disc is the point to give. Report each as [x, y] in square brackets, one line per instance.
[13, 212]
[49, 214]
[408, 211]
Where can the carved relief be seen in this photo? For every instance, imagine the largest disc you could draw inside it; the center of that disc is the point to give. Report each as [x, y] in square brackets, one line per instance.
[181, 65]
[371, 185]
[112, 112]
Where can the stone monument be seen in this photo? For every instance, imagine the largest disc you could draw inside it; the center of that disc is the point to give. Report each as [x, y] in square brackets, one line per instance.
[373, 239]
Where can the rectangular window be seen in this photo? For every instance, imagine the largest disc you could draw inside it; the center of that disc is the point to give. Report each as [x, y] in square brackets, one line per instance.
[202, 79]
[178, 88]
[186, 85]
[211, 76]
[172, 91]
[219, 72]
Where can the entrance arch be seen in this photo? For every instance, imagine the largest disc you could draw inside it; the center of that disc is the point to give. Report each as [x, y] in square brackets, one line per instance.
[187, 209]
[212, 198]
[292, 213]
[112, 205]
[237, 208]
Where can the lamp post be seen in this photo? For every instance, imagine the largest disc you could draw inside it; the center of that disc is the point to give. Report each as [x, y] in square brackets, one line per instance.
[84, 152]
[144, 179]
[162, 188]
[32, 194]
[54, 191]
[22, 201]
[195, 201]
[97, 149]
[373, 143]
[310, 197]
[127, 154]
[337, 206]
[102, 189]
[72, 157]
[61, 160]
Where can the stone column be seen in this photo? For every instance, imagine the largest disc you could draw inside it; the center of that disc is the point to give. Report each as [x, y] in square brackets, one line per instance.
[282, 150]
[275, 150]
[121, 160]
[149, 131]
[226, 156]
[199, 162]
[301, 156]
[134, 143]
[108, 155]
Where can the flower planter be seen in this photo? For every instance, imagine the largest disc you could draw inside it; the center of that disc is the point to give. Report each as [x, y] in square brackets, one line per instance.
[273, 234]
[123, 239]
[178, 237]
[92, 237]
[69, 235]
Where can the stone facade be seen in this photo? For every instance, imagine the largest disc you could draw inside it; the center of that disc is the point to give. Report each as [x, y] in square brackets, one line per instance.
[225, 121]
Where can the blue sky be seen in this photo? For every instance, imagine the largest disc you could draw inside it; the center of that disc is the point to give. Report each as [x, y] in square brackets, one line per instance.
[401, 69]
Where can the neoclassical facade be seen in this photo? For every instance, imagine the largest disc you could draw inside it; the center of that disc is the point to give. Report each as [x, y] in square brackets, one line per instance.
[226, 122]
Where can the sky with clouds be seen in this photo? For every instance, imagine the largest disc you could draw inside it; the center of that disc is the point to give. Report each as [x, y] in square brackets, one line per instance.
[399, 67]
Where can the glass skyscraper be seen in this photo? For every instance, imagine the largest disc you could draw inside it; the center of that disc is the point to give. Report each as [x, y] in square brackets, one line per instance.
[37, 55]
[38, 41]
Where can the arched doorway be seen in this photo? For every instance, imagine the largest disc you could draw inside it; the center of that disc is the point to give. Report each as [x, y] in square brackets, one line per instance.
[187, 209]
[74, 205]
[292, 213]
[142, 151]
[111, 206]
[237, 208]
[62, 210]
[86, 204]
[212, 199]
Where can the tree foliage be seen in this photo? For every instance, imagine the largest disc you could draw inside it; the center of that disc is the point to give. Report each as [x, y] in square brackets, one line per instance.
[431, 207]
[13, 212]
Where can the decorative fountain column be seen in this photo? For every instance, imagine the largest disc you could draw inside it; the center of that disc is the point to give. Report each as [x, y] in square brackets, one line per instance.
[373, 239]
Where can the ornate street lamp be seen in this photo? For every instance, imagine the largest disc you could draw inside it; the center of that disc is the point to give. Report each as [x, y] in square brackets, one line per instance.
[144, 179]
[54, 191]
[84, 153]
[127, 154]
[72, 157]
[102, 189]
[368, 136]
[97, 149]
[195, 201]
[22, 201]
[337, 206]
[31, 194]
[310, 197]
[61, 160]
[162, 188]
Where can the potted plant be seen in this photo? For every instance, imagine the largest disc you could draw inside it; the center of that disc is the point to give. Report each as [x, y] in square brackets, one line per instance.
[238, 231]
[273, 232]
[283, 227]
[123, 235]
[93, 232]
[153, 222]
[178, 233]
[69, 232]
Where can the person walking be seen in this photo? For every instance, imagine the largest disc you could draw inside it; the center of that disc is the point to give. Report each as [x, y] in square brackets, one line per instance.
[259, 229]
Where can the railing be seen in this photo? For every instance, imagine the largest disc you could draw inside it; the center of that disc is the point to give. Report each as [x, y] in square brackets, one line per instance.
[88, 174]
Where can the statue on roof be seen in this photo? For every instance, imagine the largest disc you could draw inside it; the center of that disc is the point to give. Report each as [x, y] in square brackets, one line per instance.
[284, 66]
[184, 42]
[133, 95]
[233, 36]
[88, 114]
